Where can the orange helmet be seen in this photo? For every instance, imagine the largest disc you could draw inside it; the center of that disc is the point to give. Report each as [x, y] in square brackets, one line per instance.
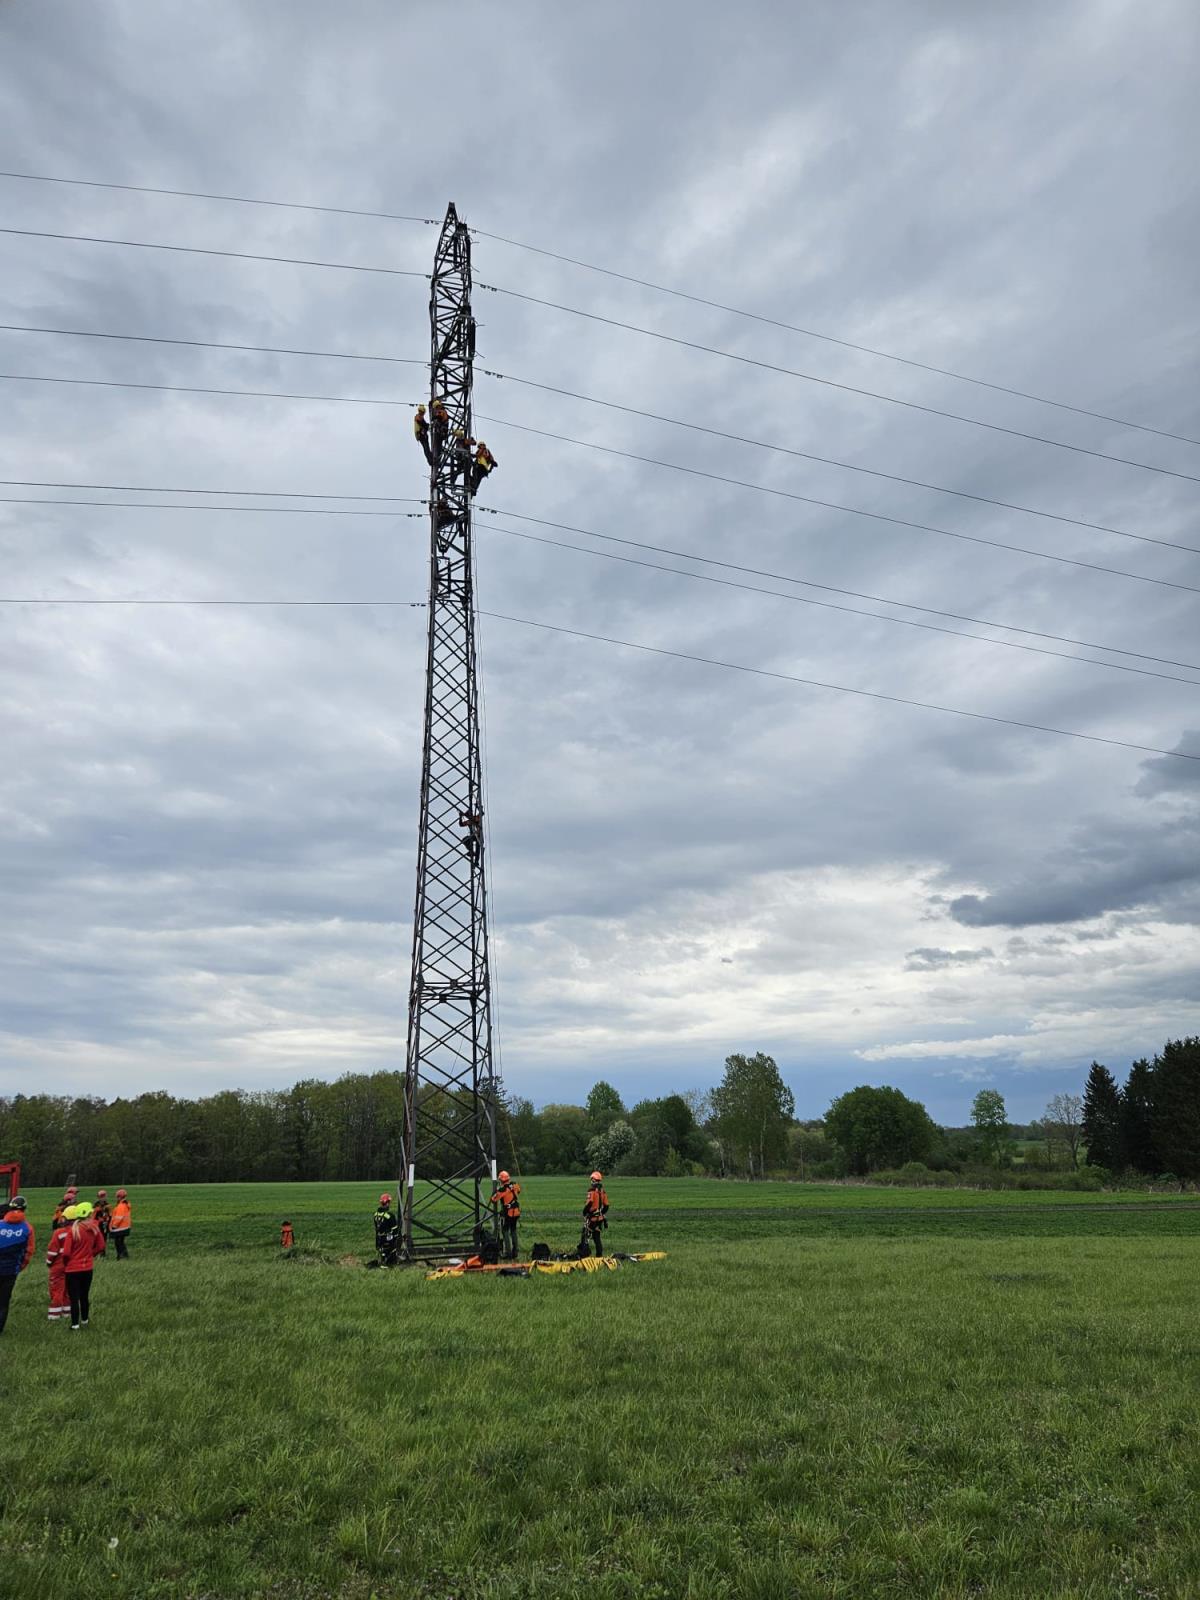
[385, 1199]
[504, 1178]
[122, 1194]
[597, 1177]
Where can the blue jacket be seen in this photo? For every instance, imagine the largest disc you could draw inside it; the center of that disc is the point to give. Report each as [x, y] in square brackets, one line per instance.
[14, 1241]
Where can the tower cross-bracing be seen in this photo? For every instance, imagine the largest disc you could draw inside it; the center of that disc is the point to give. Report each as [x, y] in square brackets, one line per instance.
[450, 1088]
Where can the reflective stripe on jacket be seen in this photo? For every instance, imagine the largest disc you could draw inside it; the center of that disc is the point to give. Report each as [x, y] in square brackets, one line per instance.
[505, 1198]
[596, 1203]
[76, 1246]
[122, 1218]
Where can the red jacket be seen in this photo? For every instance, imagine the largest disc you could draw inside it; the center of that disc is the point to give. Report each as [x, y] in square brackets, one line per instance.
[75, 1247]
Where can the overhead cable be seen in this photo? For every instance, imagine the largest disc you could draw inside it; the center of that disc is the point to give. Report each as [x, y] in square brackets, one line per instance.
[831, 605]
[237, 199]
[846, 388]
[674, 466]
[589, 533]
[829, 461]
[74, 600]
[246, 494]
[212, 344]
[829, 588]
[834, 505]
[839, 688]
[174, 505]
[195, 250]
[829, 338]
[612, 405]
[625, 277]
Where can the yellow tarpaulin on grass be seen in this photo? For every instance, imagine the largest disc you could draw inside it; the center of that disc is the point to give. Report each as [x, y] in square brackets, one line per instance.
[524, 1268]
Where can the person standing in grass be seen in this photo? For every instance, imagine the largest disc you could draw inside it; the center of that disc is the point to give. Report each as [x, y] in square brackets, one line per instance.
[102, 1211]
[70, 1196]
[387, 1232]
[16, 1250]
[120, 1224]
[506, 1202]
[595, 1215]
[287, 1237]
[77, 1245]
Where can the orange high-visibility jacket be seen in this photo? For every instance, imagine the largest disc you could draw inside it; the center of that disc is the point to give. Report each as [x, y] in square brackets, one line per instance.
[596, 1203]
[122, 1218]
[505, 1199]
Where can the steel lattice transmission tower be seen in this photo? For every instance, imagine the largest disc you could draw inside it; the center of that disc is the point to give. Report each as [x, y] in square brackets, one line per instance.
[450, 1088]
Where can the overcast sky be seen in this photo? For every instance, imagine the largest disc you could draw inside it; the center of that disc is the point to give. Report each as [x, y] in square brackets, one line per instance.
[209, 813]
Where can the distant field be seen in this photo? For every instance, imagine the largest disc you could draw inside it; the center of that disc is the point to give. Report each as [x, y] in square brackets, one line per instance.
[822, 1391]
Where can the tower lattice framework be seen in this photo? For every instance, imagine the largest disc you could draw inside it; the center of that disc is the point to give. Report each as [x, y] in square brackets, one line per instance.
[450, 1088]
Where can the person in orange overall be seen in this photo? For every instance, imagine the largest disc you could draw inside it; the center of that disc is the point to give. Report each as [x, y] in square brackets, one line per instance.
[595, 1215]
[102, 1211]
[60, 1305]
[77, 1245]
[120, 1225]
[506, 1200]
[287, 1239]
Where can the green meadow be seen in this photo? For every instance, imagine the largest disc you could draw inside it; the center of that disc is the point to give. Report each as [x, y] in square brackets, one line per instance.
[821, 1391]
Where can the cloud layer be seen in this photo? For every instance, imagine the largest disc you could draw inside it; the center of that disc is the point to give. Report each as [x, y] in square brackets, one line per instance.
[208, 812]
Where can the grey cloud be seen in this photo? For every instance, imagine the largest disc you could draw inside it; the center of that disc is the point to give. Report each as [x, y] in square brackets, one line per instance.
[930, 959]
[208, 817]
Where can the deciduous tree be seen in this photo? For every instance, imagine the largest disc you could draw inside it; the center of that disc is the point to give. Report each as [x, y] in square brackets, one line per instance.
[879, 1128]
[991, 1122]
[752, 1110]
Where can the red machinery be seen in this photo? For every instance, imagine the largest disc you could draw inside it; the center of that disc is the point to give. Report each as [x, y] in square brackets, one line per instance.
[12, 1171]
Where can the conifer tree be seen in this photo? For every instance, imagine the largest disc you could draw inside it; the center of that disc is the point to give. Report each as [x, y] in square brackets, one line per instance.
[1175, 1120]
[1102, 1119]
[1137, 1107]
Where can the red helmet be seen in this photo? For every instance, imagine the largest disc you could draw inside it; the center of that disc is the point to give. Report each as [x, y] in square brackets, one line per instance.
[101, 1194]
[504, 1178]
[122, 1194]
[385, 1199]
[597, 1177]
[71, 1191]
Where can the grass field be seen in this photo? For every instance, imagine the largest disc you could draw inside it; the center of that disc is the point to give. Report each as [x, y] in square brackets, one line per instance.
[820, 1392]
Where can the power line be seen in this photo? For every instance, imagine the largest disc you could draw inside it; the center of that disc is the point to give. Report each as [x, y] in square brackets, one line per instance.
[163, 488]
[613, 322]
[171, 505]
[38, 600]
[611, 405]
[673, 466]
[846, 388]
[830, 461]
[238, 199]
[845, 344]
[657, 650]
[840, 688]
[195, 250]
[213, 344]
[829, 588]
[830, 605]
[625, 277]
[834, 505]
[589, 533]
[193, 388]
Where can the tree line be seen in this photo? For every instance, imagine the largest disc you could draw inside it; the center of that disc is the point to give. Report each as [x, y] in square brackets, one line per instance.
[351, 1129]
